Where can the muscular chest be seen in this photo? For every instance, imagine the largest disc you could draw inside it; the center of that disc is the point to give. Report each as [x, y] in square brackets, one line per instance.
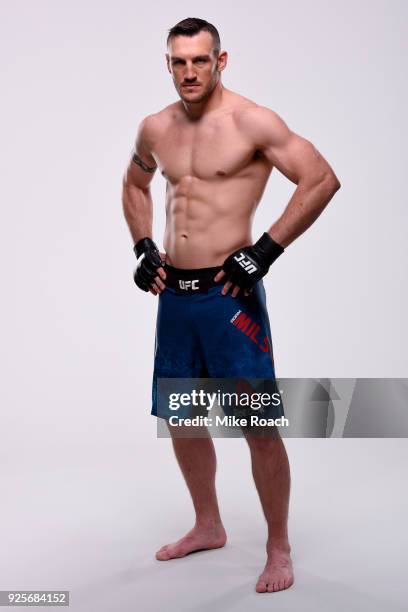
[203, 150]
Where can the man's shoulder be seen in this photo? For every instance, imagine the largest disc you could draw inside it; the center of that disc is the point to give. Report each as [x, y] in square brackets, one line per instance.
[259, 123]
[160, 119]
[253, 115]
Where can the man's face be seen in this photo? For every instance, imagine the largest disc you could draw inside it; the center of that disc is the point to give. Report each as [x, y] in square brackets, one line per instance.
[194, 66]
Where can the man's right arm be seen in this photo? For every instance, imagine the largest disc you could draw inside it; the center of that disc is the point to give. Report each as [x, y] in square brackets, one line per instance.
[136, 197]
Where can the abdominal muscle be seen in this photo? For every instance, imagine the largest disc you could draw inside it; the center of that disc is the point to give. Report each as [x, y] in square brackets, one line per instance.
[206, 222]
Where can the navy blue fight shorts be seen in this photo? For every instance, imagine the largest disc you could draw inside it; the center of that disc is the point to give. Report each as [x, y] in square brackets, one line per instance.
[201, 333]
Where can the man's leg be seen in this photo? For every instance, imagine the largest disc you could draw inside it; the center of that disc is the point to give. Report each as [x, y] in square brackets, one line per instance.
[197, 460]
[270, 469]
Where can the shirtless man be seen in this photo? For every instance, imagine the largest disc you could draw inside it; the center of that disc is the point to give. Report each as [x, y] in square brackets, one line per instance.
[216, 150]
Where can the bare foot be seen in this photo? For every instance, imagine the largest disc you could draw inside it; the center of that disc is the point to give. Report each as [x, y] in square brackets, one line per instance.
[278, 572]
[199, 538]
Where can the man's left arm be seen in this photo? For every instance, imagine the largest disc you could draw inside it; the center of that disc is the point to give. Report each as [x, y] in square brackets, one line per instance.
[301, 163]
[315, 182]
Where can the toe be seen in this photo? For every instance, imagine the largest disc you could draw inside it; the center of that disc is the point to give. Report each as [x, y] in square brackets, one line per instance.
[261, 586]
[176, 553]
[162, 554]
[288, 582]
[270, 587]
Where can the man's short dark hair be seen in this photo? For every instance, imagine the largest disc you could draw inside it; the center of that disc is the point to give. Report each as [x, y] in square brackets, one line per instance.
[192, 26]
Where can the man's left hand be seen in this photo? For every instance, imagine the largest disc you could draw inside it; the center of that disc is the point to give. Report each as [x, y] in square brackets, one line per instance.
[246, 266]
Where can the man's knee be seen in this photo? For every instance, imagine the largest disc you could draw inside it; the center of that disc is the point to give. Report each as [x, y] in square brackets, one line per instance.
[263, 439]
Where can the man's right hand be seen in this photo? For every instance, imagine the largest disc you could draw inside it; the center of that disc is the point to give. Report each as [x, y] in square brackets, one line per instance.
[149, 273]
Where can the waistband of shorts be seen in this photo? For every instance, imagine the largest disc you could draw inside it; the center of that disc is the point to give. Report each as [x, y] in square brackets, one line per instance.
[196, 280]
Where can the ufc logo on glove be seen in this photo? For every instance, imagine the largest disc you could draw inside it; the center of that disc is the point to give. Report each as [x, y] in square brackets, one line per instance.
[245, 263]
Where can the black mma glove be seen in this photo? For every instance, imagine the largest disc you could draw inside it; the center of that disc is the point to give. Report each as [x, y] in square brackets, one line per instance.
[246, 266]
[148, 261]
